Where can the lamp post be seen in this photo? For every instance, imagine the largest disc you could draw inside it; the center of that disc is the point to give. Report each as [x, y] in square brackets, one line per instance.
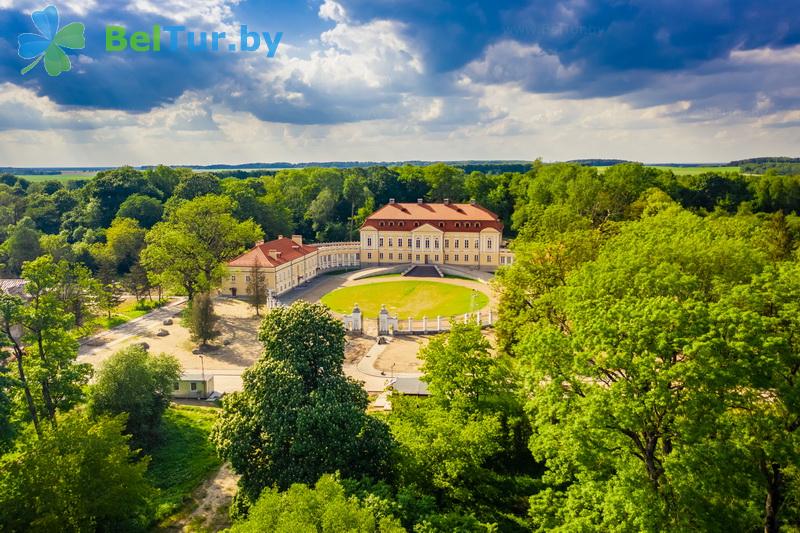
[202, 371]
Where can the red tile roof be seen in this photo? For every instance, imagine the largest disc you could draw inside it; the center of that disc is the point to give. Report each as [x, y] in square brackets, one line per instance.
[447, 217]
[287, 250]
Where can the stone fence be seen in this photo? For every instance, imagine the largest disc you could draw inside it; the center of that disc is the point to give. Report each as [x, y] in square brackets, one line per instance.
[386, 324]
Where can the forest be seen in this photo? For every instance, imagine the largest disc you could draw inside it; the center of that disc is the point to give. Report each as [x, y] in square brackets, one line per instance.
[643, 376]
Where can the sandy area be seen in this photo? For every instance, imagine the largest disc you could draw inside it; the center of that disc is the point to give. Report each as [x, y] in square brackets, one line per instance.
[400, 355]
[237, 324]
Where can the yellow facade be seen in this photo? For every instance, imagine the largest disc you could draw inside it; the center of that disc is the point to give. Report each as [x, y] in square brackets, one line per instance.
[427, 244]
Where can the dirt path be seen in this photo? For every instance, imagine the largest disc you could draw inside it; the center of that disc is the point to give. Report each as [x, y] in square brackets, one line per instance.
[210, 502]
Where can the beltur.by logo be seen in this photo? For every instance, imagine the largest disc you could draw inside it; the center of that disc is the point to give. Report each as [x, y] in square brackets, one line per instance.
[117, 40]
[51, 42]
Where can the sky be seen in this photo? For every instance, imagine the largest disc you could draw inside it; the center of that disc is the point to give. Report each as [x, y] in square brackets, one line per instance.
[390, 80]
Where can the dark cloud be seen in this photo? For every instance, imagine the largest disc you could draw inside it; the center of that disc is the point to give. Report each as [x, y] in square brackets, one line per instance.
[126, 80]
[607, 36]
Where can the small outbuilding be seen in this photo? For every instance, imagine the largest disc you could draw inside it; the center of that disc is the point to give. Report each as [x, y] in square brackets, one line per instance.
[194, 386]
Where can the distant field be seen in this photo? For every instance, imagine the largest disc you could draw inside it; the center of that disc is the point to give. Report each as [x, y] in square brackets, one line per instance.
[407, 298]
[684, 170]
[58, 177]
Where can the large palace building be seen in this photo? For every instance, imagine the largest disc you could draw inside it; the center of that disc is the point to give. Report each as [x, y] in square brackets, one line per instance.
[444, 234]
[462, 235]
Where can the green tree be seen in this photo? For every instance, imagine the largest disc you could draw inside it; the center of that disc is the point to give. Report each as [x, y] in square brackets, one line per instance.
[165, 179]
[355, 191]
[47, 340]
[124, 243]
[10, 314]
[257, 288]
[146, 210]
[298, 416]
[629, 378]
[110, 188]
[197, 184]
[22, 245]
[202, 319]
[445, 182]
[460, 370]
[139, 384]
[80, 476]
[6, 406]
[188, 250]
[324, 508]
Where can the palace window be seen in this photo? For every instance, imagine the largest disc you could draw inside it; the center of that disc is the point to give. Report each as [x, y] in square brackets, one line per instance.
[455, 257]
[477, 244]
[427, 244]
[417, 257]
[435, 257]
[436, 243]
[418, 244]
[369, 241]
[409, 243]
[466, 243]
[400, 243]
[369, 255]
[380, 242]
[390, 255]
[233, 279]
[193, 386]
[381, 256]
[488, 258]
[447, 243]
[446, 257]
[455, 241]
[390, 242]
[489, 244]
[247, 279]
[477, 259]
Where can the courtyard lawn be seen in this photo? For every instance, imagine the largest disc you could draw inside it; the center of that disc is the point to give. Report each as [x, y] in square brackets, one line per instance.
[407, 299]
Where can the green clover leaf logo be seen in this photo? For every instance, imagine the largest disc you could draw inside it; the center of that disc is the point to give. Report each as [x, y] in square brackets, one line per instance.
[50, 44]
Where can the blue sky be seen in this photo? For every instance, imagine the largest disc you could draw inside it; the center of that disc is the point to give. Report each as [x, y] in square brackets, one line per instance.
[657, 81]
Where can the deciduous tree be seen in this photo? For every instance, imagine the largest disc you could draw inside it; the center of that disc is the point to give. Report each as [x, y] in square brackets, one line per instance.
[139, 384]
[298, 416]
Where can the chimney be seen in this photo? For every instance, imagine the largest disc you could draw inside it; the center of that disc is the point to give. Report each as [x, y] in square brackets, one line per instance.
[473, 202]
[391, 201]
[298, 239]
[419, 201]
[259, 243]
[280, 236]
[447, 201]
[274, 254]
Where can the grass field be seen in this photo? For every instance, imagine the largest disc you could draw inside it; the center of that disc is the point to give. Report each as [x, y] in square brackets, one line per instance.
[58, 177]
[407, 299]
[684, 170]
[184, 459]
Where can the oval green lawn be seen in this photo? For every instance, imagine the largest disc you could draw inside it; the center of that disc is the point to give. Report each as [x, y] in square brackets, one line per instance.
[407, 299]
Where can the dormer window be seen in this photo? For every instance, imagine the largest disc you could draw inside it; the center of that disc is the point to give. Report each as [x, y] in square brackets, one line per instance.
[441, 224]
[458, 224]
[416, 224]
[391, 223]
